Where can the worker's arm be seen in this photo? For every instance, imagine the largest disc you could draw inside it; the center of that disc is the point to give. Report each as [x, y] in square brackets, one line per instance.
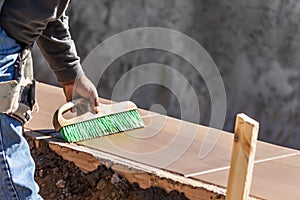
[59, 50]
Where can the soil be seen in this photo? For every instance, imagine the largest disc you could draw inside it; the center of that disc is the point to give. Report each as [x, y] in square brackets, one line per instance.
[60, 179]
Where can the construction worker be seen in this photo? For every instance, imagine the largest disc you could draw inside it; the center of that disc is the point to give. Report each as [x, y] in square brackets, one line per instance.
[22, 23]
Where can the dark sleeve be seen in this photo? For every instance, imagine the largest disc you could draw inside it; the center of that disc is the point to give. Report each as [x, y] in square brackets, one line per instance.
[59, 50]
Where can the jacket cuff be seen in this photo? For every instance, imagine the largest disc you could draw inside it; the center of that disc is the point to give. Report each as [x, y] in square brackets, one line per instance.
[69, 74]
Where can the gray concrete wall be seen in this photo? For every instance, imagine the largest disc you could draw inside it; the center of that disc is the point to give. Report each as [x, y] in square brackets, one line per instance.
[255, 45]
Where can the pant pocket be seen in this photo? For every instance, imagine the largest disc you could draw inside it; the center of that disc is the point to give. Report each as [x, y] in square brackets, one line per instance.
[6, 77]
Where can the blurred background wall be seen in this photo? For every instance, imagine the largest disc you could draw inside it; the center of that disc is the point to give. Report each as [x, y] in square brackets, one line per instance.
[255, 45]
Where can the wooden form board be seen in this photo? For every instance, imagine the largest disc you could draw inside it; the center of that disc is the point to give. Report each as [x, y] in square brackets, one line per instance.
[173, 146]
[242, 158]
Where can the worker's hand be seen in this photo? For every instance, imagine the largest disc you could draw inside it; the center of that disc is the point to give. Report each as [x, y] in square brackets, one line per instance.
[82, 87]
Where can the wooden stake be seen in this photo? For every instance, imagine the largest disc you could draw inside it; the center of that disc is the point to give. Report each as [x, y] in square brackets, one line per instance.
[242, 158]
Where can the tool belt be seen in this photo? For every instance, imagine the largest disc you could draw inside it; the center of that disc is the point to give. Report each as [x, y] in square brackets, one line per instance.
[17, 97]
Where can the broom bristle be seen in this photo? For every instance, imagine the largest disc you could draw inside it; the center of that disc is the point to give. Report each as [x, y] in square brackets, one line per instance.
[102, 126]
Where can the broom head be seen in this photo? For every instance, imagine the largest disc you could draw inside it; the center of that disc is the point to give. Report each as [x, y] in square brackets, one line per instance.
[112, 118]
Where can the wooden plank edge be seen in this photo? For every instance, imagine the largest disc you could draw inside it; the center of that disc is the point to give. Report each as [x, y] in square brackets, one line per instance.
[146, 176]
[242, 158]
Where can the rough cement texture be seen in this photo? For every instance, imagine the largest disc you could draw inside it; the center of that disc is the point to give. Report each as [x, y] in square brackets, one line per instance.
[255, 45]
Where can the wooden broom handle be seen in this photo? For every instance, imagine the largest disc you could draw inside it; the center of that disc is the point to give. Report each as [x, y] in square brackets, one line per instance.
[58, 119]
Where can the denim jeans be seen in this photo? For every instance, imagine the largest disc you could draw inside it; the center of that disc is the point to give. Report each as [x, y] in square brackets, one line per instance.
[16, 164]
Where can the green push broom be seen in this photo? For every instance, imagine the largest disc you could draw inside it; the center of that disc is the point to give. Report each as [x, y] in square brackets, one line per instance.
[112, 118]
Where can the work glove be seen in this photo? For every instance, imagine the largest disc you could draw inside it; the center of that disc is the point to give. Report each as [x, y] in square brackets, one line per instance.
[82, 87]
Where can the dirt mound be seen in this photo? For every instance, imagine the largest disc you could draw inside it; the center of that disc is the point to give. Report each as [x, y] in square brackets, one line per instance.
[60, 179]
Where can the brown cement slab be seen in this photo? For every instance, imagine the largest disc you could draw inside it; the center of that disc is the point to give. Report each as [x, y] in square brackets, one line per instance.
[174, 145]
[272, 179]
[49, 98]
[219, 157]
[165, 142]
